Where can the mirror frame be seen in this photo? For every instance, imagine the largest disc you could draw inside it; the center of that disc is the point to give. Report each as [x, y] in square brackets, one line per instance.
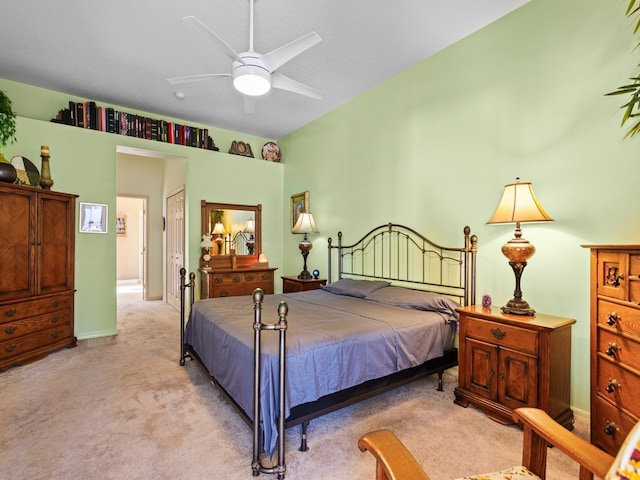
[225, 261]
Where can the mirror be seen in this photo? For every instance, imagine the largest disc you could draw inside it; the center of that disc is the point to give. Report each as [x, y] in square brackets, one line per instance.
[236, 234]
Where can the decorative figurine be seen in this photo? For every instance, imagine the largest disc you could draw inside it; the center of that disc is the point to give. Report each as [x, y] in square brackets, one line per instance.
[486, 301]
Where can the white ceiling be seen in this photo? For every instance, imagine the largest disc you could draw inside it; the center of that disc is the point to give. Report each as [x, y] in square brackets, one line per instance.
[121, 52]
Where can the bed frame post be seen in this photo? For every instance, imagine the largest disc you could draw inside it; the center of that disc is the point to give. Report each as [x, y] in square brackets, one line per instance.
[183, 286]
[258, 326]
[470, 251]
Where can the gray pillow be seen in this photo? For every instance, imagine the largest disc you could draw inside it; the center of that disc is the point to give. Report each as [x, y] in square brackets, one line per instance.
[355, 288]
[417, 299]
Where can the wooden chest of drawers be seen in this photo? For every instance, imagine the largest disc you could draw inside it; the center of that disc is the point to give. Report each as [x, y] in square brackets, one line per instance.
[29, 330]
[615, 343]
[511, 361]
[37, 273]
[230, 283]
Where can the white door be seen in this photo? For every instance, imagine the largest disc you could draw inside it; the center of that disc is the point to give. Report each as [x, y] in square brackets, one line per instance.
[142, 247]
[175, 246]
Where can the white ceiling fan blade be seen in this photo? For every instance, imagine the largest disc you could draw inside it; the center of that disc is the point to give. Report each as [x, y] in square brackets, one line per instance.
[278, 57]
[285, 83]
[195, 78]
[227, 50]
[249, 104]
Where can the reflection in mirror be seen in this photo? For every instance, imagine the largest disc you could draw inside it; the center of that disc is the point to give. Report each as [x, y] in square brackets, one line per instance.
[235, 232]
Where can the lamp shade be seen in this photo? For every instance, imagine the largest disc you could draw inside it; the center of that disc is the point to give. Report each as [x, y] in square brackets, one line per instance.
[250, 226]
[218, 229]
[206, 241]
[305, 224]
[519, 204]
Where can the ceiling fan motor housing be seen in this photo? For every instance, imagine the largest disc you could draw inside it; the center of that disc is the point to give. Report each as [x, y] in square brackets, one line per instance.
[252, 77]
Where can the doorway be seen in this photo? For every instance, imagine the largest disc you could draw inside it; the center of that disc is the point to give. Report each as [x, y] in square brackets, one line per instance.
[131, 235]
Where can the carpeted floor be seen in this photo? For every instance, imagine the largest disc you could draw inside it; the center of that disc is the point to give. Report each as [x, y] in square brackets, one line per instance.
[124, 408]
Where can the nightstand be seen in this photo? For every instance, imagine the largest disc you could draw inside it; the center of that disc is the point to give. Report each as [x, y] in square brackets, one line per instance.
[511, 361]
[295, 284]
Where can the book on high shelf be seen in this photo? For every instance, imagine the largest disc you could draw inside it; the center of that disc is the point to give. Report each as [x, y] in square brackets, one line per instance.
[79, 115]
[92, 115]
[72, 114]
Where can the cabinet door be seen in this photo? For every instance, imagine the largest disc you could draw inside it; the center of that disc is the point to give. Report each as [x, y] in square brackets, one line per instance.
[612, 274]
[517, 379]
[55, 241]
[17, 243]
[482, 364]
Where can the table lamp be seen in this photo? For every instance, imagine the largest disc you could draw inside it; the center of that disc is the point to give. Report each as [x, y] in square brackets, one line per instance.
[206, 245]
[306, 225]
[218, 231]
[518, 205]
[250, 228]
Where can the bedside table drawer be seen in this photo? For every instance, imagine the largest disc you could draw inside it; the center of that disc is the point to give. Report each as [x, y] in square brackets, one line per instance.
[525, 341]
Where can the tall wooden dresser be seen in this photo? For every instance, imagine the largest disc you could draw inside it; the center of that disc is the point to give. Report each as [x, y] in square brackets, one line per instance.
[37, 239]
[615, 343]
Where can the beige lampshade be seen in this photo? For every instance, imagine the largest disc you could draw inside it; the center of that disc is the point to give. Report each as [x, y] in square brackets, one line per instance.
[305, 224]
[218, 229]
[519, 204]
[250, 226]
[206, 242]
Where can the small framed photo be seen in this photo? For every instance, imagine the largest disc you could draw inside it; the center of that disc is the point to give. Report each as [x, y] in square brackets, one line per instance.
[93, 217]
[121, 225]
[299, 204]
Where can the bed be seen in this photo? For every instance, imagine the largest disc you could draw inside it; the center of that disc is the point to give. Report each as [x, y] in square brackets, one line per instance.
[387, 318]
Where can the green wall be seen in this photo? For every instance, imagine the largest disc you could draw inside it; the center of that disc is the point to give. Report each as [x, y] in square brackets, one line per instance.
[85, 162]
[432, 148]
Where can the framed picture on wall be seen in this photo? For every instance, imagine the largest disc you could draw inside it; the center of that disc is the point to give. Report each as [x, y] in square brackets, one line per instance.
[93, 217]
[299, 204]
[121, 225]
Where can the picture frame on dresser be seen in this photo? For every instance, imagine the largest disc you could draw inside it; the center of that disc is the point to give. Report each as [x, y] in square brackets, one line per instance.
[299, 204]
[93, 218]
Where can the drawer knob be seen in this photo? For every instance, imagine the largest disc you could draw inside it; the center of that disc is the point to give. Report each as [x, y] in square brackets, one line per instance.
[266, 276]
[10, 330]
[611, 428]
[10, 313]
[237, 279]
[612, 385]
[55, 303]
[612, 318]
[10, 348]
[613, 349]
[55, 334]
[499, 334]
[224, 293]
[55, 319]
[250, 278]
[218, 279]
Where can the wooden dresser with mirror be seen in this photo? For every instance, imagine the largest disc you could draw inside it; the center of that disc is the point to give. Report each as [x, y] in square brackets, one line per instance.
[229, 266]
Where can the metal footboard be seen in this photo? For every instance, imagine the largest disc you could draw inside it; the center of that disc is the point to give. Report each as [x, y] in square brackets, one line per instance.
[281, 326]
[258, 327]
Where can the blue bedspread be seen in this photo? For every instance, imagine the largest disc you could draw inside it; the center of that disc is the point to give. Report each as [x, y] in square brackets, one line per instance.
[333, 342]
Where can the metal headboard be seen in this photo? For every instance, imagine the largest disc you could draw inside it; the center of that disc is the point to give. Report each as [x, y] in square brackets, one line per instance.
[404, 257]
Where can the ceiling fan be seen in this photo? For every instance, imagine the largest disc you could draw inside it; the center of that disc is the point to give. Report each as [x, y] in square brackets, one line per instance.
[253, 73]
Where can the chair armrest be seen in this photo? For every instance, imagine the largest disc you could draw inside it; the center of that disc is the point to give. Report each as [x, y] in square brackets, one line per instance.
[394, 461]
[539, 425]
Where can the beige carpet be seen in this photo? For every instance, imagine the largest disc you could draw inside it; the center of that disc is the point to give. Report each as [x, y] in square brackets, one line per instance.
[125, 409]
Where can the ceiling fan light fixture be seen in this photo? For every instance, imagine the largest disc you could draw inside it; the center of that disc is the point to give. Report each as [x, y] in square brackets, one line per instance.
[251, 80]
